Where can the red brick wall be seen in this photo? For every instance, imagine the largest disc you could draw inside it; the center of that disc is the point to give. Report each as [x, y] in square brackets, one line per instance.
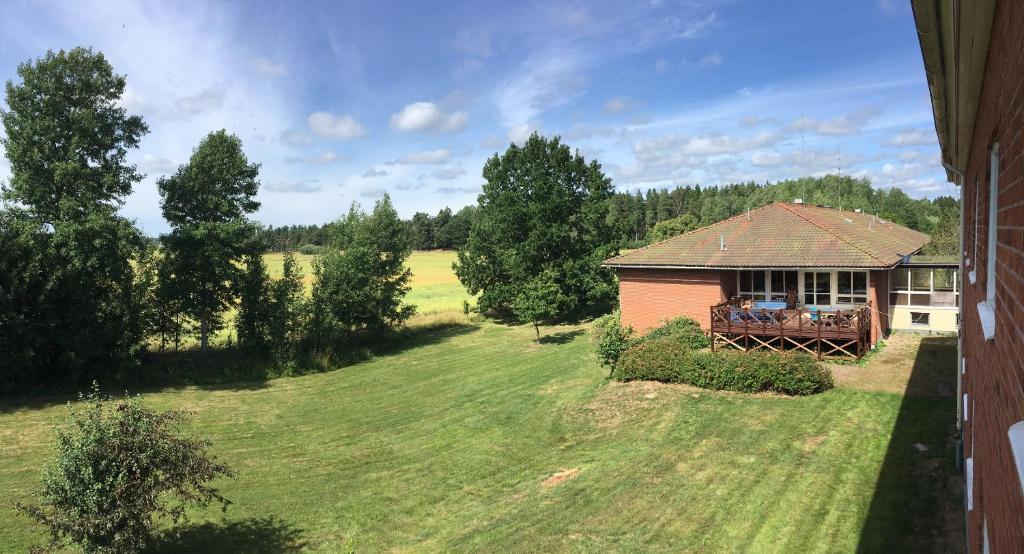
[648, 297]
[995, 370]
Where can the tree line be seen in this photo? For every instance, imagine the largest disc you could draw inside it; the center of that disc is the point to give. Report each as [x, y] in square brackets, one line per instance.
[84, 293]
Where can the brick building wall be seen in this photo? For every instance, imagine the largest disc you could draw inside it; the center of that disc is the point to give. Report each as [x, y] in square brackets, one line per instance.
[994, 369]
[647, 297]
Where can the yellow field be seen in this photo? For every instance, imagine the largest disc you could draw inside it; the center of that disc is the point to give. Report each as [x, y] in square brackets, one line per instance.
[435, 288]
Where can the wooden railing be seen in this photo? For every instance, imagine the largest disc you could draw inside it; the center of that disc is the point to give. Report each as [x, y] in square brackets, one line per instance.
[794, 326]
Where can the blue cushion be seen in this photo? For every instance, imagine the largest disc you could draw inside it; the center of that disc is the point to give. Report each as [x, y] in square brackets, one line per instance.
[770, 305]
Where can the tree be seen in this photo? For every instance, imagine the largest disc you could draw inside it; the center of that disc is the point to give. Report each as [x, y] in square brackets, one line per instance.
[206, 203]
[360, 281]
[253, 320]
[67, 137]
[287, 310]
[72, 295]
[538, 301]
[672, 227]
[542, 208]
[422, 229]
[115, 470]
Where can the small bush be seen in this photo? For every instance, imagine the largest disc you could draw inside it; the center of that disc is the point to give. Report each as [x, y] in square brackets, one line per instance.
[610, 338]
[681, 329]
[116, 469]
[669, 361]
[310, 249]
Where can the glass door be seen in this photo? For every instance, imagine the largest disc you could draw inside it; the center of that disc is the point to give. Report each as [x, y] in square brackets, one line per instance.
[817, 288]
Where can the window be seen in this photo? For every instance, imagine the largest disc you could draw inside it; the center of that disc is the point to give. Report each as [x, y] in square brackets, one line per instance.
[993, 211]
[752, 285]
[782, 282]
[852, 287]
[817, 288]
[924, 287]
[919, 318]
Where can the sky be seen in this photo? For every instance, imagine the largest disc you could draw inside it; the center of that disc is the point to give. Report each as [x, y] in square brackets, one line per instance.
[346, 101]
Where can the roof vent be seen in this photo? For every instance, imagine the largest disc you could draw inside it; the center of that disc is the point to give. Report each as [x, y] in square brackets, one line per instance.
[798, 200]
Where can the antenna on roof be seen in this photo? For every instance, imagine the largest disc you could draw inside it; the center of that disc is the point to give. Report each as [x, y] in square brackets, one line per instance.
[721, 242]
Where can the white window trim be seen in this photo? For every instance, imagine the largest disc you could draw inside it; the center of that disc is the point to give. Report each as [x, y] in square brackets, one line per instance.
[927, 315]
[993, 226]
[969, 478]
[906, 289]
[1016, 434]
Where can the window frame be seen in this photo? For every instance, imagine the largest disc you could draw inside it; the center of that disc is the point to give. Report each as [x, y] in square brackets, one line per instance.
[907, 289]
[992, 238]
[927, 319]
[852, 297]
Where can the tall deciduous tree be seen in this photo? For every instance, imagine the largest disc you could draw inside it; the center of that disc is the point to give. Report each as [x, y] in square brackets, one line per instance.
[206, 203]
[72, 304]
[542, 208]
[361, 280]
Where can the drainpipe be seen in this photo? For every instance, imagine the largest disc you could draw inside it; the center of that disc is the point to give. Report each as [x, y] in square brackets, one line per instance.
[960, 309]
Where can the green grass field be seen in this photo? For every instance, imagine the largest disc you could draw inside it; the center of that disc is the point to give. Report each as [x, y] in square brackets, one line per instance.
[435, 289]
[475, 438]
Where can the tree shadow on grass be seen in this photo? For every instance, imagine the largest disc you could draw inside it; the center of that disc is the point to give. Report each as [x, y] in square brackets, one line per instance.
[256, 536]
[916, 506]
[562, 337]
[229, 368]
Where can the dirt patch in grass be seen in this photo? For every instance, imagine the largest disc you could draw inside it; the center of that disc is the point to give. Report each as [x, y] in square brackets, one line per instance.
[560, 477]
[810, 443]
[930, 359]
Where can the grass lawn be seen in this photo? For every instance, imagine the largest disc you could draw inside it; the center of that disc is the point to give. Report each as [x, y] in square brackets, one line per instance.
[474, 438]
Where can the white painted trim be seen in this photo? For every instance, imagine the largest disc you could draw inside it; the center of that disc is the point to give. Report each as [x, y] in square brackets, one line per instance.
[1016, 434]
[987, 316]
[969, 482]
[993, 226]
[966, 417]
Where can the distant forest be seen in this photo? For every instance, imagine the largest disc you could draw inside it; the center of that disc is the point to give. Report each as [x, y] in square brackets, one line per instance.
[634, 214]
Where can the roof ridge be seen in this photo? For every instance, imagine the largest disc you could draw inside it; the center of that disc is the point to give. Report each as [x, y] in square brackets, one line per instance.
[706, 227]
[829, 231]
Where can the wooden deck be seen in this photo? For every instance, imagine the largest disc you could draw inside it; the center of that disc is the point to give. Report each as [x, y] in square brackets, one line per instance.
[836, 333]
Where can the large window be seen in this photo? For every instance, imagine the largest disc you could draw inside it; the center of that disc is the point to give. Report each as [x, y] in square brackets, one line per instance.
[766, 285]
[924, 287]
[817, 288]
[852, 287]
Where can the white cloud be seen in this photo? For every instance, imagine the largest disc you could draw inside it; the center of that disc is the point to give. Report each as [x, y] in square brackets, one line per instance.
[547, 80]
[519, 133]
[303, 186]
[848, 124]
[754, 121]
[320, 158]
[206, 100]
[428, 157]
[617, 105]
[457, 190]
[374, 192]
[427, 116]
[694, 29]
[374, 172]
[766, 158]
[152, 164]
[912, 137]
[331, 126]
[709, 60]
[292, 137]
[475, 43]
[264, 65]
[448, 174]
[409, 186]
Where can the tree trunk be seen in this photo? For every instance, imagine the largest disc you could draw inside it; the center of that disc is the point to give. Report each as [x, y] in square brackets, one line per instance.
[204, 333]
[537, 329]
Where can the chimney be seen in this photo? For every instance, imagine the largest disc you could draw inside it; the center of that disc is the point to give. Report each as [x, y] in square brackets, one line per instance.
[857, 210]
[798, 200]
[721, 242]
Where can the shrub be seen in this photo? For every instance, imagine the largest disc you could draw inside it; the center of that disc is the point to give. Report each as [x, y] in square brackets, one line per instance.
[115, 470]
[610, 338]
[681, 329]
[666, 359]
[310, 249]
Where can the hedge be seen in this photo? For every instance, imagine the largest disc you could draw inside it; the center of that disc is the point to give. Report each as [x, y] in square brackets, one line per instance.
[666, 360]
[682, 330]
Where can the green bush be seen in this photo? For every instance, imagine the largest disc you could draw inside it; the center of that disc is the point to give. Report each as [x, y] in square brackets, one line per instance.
[310, 249]
[610, 338]
[667, 360]
[116, 469]
[681, 329]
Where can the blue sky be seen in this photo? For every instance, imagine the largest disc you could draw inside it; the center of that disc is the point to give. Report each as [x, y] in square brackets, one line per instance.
[344, 101]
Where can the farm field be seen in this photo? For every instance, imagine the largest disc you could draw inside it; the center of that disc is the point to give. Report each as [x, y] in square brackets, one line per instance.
[434, 285]
[475, 438]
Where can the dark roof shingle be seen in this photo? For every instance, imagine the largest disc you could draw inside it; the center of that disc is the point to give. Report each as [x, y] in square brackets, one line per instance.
[784, 235]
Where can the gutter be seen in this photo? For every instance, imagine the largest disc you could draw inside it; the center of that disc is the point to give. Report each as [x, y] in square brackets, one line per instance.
[960, 309]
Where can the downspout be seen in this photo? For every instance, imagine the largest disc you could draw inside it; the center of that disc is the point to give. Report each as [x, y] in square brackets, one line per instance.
[960, 307]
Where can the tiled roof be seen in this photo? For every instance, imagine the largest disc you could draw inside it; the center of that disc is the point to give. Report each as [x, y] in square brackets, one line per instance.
[784, 235]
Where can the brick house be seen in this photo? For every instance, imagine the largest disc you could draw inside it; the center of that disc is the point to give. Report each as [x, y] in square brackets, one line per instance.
[974, 58]
[786, 275]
